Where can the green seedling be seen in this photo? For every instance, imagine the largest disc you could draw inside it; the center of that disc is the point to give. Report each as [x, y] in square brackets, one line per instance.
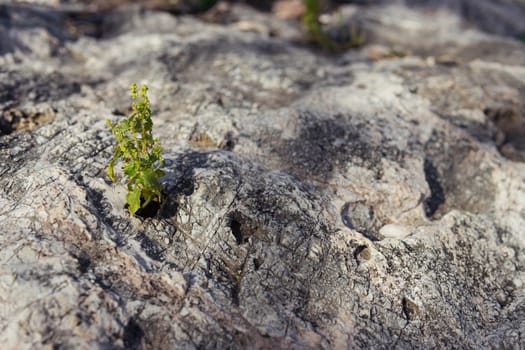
[347, 36]
[311, 18]
[139, 152]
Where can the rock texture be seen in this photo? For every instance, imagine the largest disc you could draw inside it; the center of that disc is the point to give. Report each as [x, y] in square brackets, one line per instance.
[371, 199]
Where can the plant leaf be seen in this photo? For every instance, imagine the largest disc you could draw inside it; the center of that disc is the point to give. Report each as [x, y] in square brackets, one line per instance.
[131, 169]
[149, 178]
[133, 200]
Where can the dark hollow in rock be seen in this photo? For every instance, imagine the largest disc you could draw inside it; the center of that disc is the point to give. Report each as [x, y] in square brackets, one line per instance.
[242, 227]
[228, 143]
[149, 211]
[84, 262]
[236, 230]
[410, 308]
[437, 195]
[362, 252]
[257, 262]
[133, 335]
[6, 127]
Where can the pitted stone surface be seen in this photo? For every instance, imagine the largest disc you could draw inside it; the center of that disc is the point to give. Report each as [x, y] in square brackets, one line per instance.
[373, 199]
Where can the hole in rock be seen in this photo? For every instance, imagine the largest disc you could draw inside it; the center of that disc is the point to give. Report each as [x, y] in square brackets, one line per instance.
[84, 262]
[257, 262]
[235, 226]
[410, 308]
[228, 143]
[362, 252]
[437, 194]
[149, 211]
[242, 227]
[133, 335]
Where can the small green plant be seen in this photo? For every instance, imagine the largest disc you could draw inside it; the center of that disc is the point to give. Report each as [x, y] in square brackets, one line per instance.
[348, 36]
[521, 36]
[311, 18]
[139, 152]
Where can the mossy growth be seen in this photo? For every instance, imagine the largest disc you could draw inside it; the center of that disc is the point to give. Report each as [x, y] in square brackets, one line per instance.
[139, 153]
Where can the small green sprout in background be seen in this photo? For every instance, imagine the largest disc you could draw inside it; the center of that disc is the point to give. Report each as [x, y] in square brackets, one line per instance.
[521, 36]
[311, 18]
[347, 36]
[139, 152]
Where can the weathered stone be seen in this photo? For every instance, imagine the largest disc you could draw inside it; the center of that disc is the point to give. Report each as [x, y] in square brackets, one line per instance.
[311, 201]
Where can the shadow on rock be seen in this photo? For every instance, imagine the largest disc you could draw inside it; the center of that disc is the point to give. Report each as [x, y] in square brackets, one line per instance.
[324, 145]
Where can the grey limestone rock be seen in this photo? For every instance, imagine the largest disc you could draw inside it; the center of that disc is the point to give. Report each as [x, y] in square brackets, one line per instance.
[371, 199]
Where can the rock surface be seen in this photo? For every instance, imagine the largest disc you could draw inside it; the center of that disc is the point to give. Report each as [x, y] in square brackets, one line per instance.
[372, 199]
